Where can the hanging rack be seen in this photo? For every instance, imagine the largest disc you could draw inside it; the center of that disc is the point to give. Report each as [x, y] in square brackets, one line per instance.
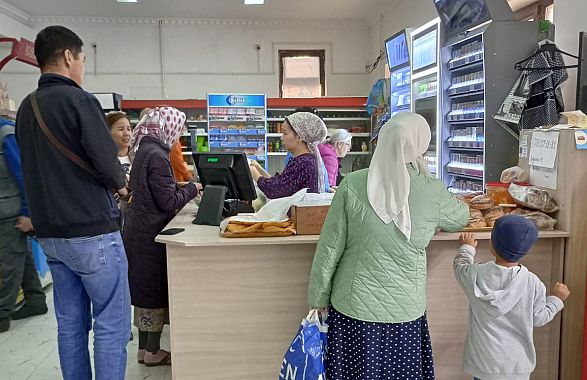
[545, 46]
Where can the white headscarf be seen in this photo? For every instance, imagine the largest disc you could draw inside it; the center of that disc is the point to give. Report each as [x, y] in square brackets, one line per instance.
[312, 130]
[402, 140]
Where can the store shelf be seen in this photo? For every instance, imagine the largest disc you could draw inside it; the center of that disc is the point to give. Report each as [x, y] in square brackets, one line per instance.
[466, 91]
[232, 118]
[465, 62]
[474, 116]
[329, 119]
[274, 134]
[277, 153]
[236, 132]
[477, 150]
[426, 95]
[468, 176]
[196, 122]
[278, 119]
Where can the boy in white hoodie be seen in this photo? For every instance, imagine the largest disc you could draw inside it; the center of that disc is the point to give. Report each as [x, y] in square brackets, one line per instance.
[506, 301]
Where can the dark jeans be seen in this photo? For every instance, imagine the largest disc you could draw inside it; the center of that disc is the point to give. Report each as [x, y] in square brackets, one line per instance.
[17, 269]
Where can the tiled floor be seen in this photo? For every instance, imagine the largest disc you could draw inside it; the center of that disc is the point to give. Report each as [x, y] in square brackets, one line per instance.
[28, 351]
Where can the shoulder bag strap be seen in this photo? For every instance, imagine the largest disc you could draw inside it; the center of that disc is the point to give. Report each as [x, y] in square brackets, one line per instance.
[55, 141]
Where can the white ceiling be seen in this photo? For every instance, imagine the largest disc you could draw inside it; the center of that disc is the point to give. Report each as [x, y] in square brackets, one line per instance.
[365, 10]
[273, 9]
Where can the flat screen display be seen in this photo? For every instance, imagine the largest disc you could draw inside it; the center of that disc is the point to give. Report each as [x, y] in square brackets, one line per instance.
[397, 50]
[582, 74]
[460, 15]
[424, 54]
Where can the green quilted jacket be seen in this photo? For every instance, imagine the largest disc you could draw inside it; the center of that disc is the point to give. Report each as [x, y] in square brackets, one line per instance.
[368, 270]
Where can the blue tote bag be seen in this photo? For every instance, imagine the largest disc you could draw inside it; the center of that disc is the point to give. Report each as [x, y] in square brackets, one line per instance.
[305, 358]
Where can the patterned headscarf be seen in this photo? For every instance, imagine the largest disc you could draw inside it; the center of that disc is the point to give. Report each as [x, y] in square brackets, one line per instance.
[165, 124]
[312, 130]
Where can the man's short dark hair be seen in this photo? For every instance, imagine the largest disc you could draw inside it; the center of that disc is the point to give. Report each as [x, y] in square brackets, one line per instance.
[52, 41]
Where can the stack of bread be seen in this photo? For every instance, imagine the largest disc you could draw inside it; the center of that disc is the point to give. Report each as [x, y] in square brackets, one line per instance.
[483, 210]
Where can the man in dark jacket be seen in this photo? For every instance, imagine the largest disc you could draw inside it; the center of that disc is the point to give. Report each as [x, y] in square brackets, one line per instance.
[17, 267]
[74, 212]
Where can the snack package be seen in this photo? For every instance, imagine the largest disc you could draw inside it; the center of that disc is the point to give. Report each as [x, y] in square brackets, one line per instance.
[541, 220]
[533, 197]
[514, 174]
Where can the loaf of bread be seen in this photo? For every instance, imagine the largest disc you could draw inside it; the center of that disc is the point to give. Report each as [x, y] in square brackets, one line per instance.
[540, 219]
[493, 214]
[533, 197]
[482, 202]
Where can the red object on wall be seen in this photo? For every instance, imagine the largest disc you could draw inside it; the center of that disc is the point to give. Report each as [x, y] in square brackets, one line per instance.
[23, 51]
[326, 102]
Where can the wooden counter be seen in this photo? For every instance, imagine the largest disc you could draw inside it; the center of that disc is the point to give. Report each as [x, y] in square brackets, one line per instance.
[236, 304]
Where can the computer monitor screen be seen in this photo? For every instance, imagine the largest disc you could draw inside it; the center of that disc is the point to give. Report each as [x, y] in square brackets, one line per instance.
[230, 170]
[458, 16]
[397, 50]
[582, 74]
[424, 54]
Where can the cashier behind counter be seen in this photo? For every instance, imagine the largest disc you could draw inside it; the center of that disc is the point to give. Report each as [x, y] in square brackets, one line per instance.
[303, 132]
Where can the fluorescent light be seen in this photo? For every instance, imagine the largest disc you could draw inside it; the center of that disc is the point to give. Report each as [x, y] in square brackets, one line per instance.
[254, 2]
[127, 1]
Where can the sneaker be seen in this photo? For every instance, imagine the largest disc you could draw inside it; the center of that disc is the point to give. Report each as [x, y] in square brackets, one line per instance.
[29, 311]
[4, 324]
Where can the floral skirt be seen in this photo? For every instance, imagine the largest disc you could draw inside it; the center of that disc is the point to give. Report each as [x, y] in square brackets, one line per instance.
[151, 320]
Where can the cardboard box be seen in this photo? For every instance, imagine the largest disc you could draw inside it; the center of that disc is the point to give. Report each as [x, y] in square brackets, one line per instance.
[309, 219]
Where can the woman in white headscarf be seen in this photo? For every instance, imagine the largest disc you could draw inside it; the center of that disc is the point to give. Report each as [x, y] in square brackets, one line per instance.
[155, 201]
[370, 264]
[303, 132]
[332, 151]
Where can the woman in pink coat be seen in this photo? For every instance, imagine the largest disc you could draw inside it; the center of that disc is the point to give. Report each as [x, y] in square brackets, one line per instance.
[333, 150]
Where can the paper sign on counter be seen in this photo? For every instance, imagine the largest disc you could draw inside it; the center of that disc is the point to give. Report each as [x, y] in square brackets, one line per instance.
[544, 177]
[543, 149]
[523, 152]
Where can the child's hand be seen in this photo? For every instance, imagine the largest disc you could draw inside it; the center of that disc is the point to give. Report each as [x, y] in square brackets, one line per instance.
[561, 291]
[469, 239]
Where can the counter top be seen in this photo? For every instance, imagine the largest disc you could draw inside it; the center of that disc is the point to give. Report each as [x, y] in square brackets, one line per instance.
[209, 236]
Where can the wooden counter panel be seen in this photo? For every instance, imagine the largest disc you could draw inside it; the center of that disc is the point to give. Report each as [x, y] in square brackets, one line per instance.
[234, 310]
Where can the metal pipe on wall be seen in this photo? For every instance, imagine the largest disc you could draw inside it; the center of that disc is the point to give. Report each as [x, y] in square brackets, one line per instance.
[162, 62]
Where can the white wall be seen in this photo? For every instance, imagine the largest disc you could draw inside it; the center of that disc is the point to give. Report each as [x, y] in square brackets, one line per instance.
[570, 18]
[398, 15]
[208, 56]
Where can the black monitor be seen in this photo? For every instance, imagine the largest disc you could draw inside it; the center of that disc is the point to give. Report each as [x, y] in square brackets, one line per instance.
[582, 74]
[228, 186]
[397, 50]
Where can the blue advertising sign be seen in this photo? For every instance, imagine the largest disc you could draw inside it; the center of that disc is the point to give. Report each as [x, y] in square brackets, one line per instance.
[235, 100]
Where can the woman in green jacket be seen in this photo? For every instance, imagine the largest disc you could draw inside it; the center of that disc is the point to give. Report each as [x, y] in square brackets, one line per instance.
[370, 264]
